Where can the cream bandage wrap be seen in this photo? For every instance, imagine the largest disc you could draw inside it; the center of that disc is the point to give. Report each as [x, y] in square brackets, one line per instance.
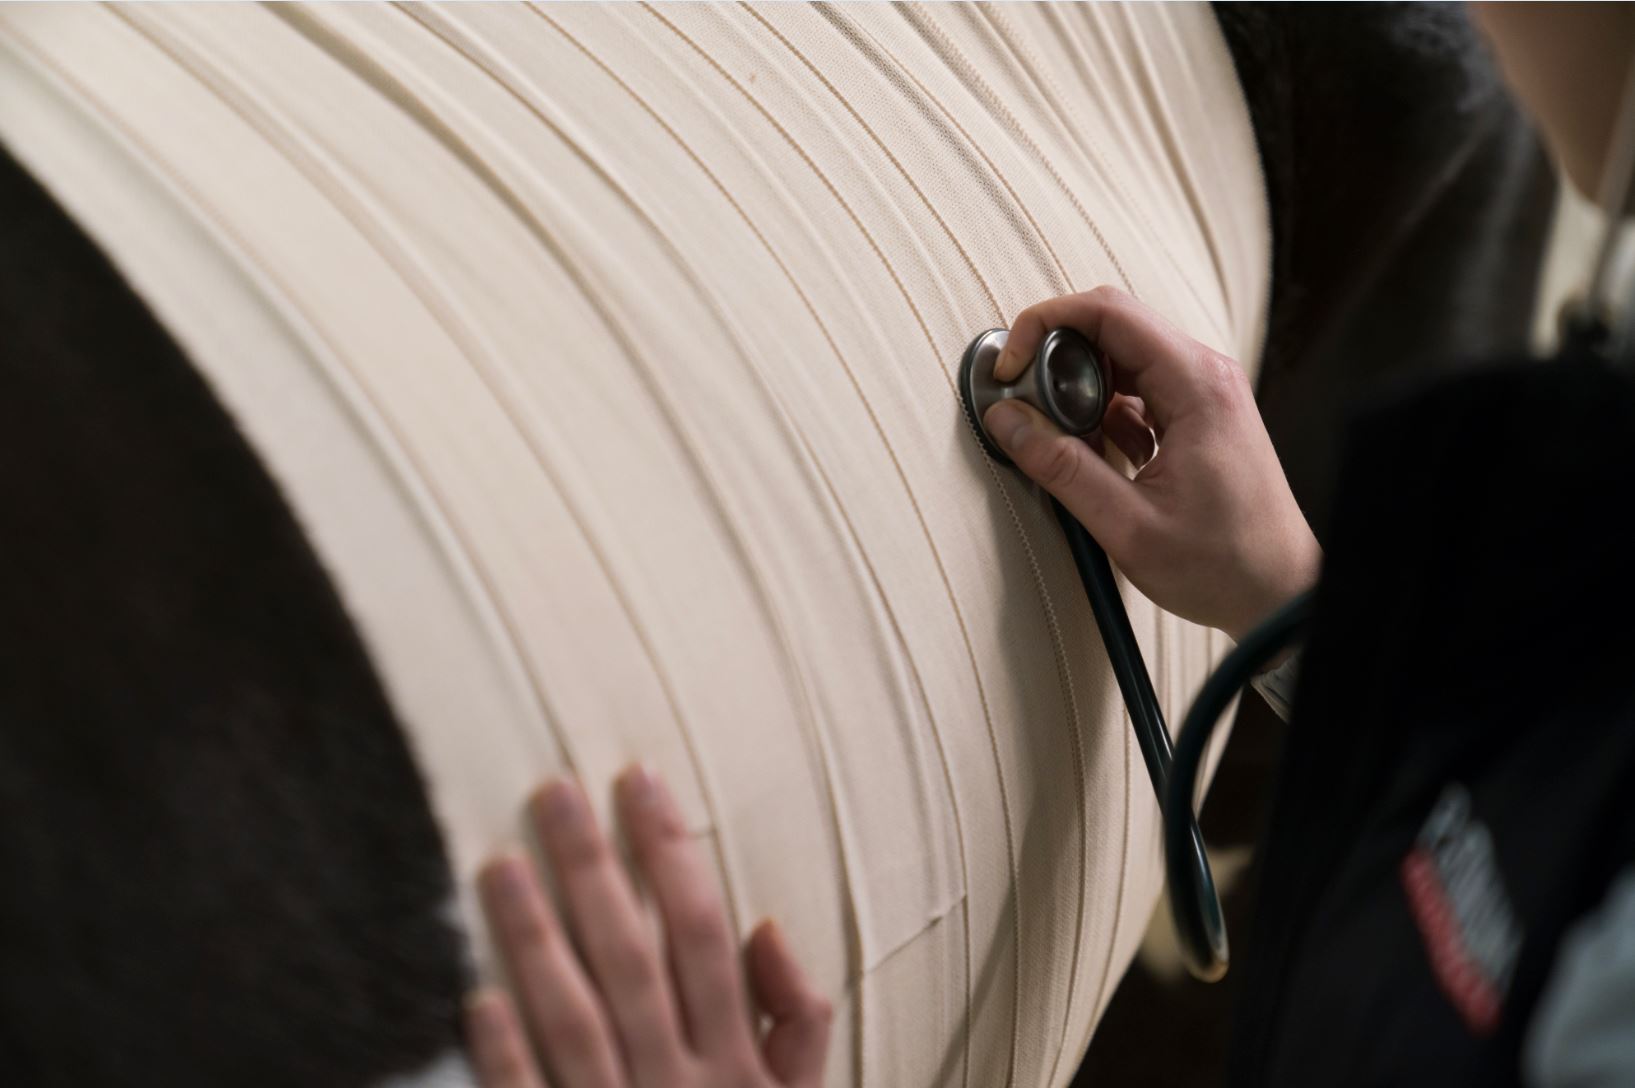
[606, 355]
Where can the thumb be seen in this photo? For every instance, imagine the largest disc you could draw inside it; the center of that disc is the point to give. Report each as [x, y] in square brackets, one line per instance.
[1092, 490]
[796, 1044]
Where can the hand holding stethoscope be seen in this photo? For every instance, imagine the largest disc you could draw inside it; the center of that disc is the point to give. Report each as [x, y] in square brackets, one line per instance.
[1207, 528]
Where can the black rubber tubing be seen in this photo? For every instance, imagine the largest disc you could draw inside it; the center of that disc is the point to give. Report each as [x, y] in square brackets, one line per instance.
[1192, 894]
[1194, 907]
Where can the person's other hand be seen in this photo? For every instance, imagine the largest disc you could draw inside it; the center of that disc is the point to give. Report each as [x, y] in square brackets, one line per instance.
[1208, 528]
[623, 1018]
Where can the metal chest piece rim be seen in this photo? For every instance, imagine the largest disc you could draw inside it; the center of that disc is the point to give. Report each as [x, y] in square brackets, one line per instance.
[1068, 380]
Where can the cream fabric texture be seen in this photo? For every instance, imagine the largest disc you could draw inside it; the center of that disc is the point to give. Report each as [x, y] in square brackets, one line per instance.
[607, 356]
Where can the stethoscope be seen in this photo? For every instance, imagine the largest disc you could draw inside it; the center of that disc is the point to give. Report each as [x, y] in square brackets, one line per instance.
[1070, 381]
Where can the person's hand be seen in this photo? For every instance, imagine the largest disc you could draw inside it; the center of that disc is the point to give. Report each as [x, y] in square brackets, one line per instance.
[1208, 528]
[625, 1019]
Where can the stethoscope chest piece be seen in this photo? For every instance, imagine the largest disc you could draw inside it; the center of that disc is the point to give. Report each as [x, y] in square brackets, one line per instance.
[1067, 379]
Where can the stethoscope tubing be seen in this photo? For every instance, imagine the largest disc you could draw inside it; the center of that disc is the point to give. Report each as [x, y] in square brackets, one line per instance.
[1194, 907]
[1203, 942]
[1194, 902]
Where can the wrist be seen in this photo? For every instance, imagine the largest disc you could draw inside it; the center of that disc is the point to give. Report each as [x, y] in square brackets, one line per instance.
[1295, 575]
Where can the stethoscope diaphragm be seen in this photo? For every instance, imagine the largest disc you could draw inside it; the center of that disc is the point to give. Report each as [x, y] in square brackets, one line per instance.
[1067, 379]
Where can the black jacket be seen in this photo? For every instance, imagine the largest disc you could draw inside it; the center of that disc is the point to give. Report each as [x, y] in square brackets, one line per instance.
[1459, 785]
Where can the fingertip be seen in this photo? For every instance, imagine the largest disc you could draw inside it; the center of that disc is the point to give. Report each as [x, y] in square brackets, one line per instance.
[1081, 479]
[1015, 426]
[647, 807]
[1008, 365]
[1127, 428]
[756, 949]
[1127, 408]
[775, 973]
[1001, 365]
[499, 868]
[1020, 343]
[794, 1048]
[1032, 440]
[556, 791]
[1082, 311]
[560, 808]
[507, 880]
[487, 1013]
[637, 787]
[766, 939]
[1006, 423]
[766, 952]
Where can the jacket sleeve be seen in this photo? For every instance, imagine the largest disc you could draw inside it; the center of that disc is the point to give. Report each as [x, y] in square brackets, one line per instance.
[1583, 1032]
[1276, 686]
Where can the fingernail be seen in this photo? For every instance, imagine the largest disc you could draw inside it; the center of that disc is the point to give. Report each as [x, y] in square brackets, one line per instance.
[1007, 423]
[562, 805]
[1002, 365]
[484, 1012]
[513, 879]
[642, 786]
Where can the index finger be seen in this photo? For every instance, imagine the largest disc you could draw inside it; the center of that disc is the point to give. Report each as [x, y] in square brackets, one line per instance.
[1151, 359]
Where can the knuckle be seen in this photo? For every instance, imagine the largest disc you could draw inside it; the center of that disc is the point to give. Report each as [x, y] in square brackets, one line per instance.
[1223, 381]
[1058, 464]
[699, 924]
[1024, 326]
[570, 1031]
